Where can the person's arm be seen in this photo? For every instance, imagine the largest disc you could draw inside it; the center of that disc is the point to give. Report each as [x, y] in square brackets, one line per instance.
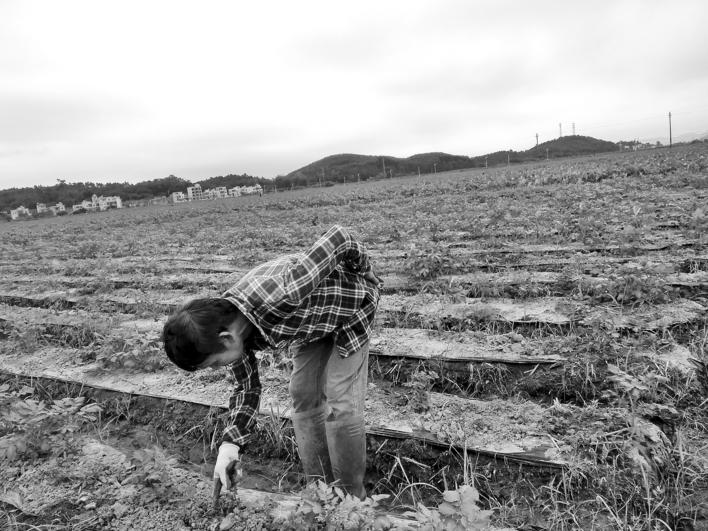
[244, 401]
[336, 247]
[243, 408]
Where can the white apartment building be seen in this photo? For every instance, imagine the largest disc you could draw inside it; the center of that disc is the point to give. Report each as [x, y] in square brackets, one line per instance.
[42, 208]
[59, 207]
[194, 193]
[20, 212]
[251, 190]
[85, 204]
[104, 203]
[99, 203]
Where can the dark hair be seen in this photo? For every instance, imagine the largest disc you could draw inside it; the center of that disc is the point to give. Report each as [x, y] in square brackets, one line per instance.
[191, 334]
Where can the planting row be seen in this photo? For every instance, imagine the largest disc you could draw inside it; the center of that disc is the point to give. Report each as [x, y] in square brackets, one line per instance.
[391, 411]
[631, 283]
[442, 312]
[571, 367]
[387, 258]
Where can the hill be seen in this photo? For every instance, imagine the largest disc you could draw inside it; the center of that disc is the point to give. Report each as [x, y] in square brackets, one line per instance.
[338, 168]
[329, 170]
[569, 146]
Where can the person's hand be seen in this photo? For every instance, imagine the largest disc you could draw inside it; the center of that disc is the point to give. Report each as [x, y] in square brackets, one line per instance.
[370, 276]
[227, 469]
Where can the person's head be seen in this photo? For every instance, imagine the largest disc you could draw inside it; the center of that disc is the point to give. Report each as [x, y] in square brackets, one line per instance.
[206, 333]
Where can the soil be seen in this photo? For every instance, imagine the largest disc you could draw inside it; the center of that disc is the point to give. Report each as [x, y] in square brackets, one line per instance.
[523, 420]
[501, 331]
[96, 488]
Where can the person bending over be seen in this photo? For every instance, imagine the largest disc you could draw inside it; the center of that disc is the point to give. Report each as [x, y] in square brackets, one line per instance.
[322, 304]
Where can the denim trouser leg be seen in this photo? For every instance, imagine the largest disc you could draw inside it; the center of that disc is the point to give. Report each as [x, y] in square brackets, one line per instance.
[321, 376]
[324, 385]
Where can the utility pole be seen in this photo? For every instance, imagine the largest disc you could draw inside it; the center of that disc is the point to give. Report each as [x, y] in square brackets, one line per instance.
[573, 128]
[383, 161]
[485, 161]
[536, 139]
[507, 157]
[560, 130]
[322, 178]
[670, 137]
[546, 153]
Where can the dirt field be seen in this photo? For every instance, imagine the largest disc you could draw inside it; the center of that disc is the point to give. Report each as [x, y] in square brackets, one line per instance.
[541, 337]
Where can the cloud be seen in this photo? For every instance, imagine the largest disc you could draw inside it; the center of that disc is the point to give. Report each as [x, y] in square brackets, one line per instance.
[39, 118]
[140, 90]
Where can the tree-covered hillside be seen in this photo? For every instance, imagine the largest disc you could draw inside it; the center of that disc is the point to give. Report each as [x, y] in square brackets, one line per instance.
[71, 193]
[329, 170]
[337, 168]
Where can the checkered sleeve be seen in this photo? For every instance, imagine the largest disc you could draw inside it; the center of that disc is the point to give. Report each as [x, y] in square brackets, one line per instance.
[337, 246]
[244, 401]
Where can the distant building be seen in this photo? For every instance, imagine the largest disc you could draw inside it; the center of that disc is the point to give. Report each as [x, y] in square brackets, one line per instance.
[178, 197]
[114, 201]
[59, 207]
[42, 208]
[194, 193]
[215, 193]
[96, 203]
[20, 212]
[252, 190]
[101, 203]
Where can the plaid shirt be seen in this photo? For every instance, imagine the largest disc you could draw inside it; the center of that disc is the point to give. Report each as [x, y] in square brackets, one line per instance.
[297, 299]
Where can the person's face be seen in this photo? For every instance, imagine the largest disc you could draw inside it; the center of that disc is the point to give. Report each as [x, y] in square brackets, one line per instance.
[233, 339]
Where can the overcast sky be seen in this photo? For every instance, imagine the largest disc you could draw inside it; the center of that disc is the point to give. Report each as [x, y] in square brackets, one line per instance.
[134, 90]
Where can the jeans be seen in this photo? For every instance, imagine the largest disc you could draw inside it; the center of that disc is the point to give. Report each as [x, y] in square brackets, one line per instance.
[321, 376]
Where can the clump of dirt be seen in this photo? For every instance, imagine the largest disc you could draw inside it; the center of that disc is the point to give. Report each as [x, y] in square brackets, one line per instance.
[6, 329]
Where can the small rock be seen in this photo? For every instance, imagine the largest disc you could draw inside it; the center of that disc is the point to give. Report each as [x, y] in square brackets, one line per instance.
[227, 523]
[90, 506]
[119, 509]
